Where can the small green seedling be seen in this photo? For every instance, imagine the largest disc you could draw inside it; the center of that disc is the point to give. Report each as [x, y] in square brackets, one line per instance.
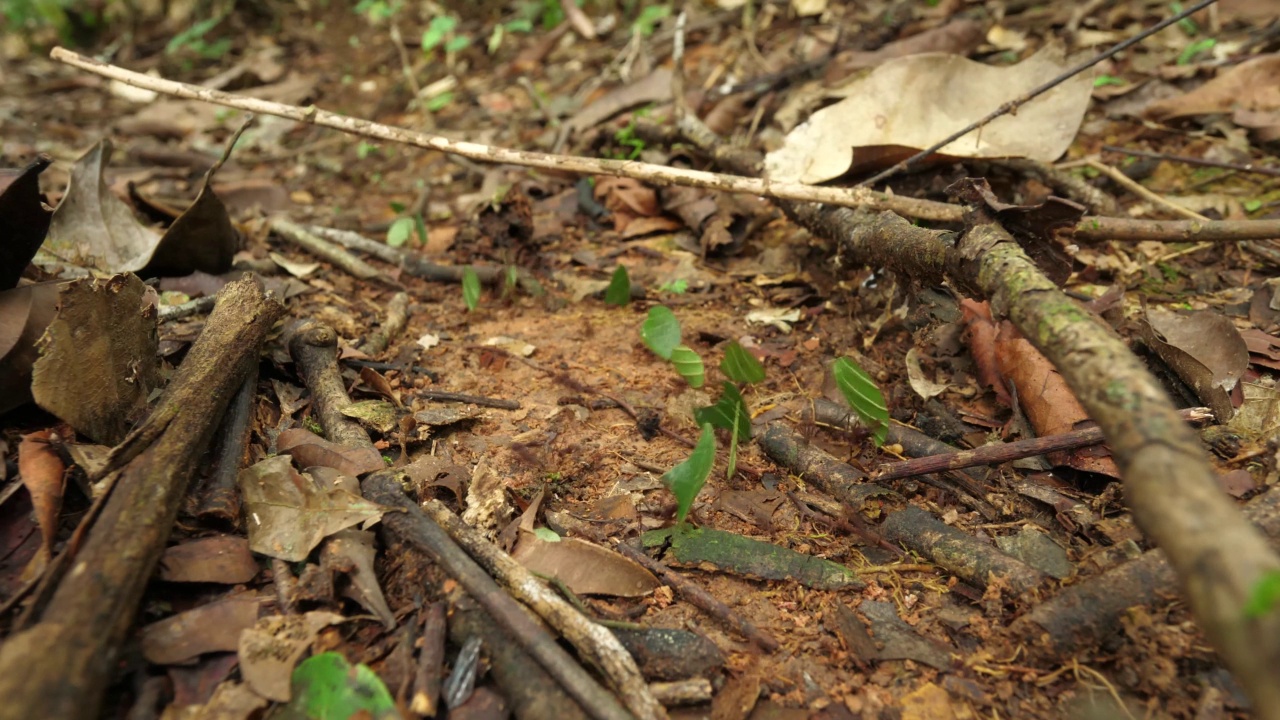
[863, 396]
[741, 366]
[686, 479]
[619, 292]
[470, 288]
[1190, 52]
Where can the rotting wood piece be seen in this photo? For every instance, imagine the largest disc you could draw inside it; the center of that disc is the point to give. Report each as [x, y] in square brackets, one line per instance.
[1084, 614]
[594, 642]
[59, 667]
[533, 693]
[314, 348]
[218, 499]
[840, 480]
[412, 527]
[1168, 481]
[958, 552]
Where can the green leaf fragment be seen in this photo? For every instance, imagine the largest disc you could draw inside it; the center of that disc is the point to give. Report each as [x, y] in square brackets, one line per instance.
[741, 366]
[686, 479]
[399, 232]
[470, 288]
[1265, 595]
[327, 687]
[729, 413]
[689, 365]
[661, 331]
[619, 292]
[863, 396]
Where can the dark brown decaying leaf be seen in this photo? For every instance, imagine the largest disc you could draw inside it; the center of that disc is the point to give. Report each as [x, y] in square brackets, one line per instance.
[93, 227]
[98, 360]
[24, 219]
[1204, 349]
[585, 568]
[311, 450]
[209, 628]
[351, 553]
[290, 513]
[25, 312]
[222, 559]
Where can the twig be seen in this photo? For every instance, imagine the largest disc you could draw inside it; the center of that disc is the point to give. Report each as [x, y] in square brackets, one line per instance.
[411, 527]
[1016, 103]
[218, 497]
[324, 250]
[355, 241]
[1137, 188]
[594, 642]
[1246, 168]
[702, 599]
[397, 317]
[186, 309]
[1004, 452]
[1090, 228]
[443, 396]
[426, 683]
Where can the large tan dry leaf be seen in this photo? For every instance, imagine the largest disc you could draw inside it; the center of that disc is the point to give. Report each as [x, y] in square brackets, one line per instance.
[98, 358]
[910, 103]
[1251, 86]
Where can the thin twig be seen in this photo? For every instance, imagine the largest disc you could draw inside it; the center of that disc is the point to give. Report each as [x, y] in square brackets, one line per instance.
[1136, 188]
[1247, 167]
[1036, 92]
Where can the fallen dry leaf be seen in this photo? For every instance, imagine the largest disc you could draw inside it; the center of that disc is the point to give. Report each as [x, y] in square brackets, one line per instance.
[880, 123]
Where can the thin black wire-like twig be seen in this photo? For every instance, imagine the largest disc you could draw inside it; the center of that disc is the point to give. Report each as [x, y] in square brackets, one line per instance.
[1246, 167]
[1035, 92]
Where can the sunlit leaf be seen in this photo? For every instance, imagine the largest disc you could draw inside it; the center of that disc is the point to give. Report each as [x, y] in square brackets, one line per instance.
[470, 288]
[686, 479]
[661, 331]
[399, 232]
[327, 686]
[1265, 595]
[741, 366]
[730, 413]
[689, 365]
[619, 292]
[863, 396]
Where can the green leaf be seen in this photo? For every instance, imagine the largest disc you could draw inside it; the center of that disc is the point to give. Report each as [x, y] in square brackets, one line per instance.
[439, 102]
[1252, 205]
[730, 413]
[457, 43]
[397, 207]
[470, 288]
[495, 39]
[520, 25]
[1191, 51]
[1264, 596]
[326, 686]
[440, 27]
[689, 365]
[686, 479]
[741, 366]
[649, 18]
[1104, 80]
[619, 292]
[675, 287]
[661, 331]
[399, 232]
[420, 227]
[863, 396]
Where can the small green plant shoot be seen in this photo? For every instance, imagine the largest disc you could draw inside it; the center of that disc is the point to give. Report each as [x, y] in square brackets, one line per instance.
[686, 479]
[863, 396]
[470, 288]
[741, 366]
[619, 292]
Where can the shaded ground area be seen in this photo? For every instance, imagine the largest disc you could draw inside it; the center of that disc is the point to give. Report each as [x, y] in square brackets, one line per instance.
[960, 601]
